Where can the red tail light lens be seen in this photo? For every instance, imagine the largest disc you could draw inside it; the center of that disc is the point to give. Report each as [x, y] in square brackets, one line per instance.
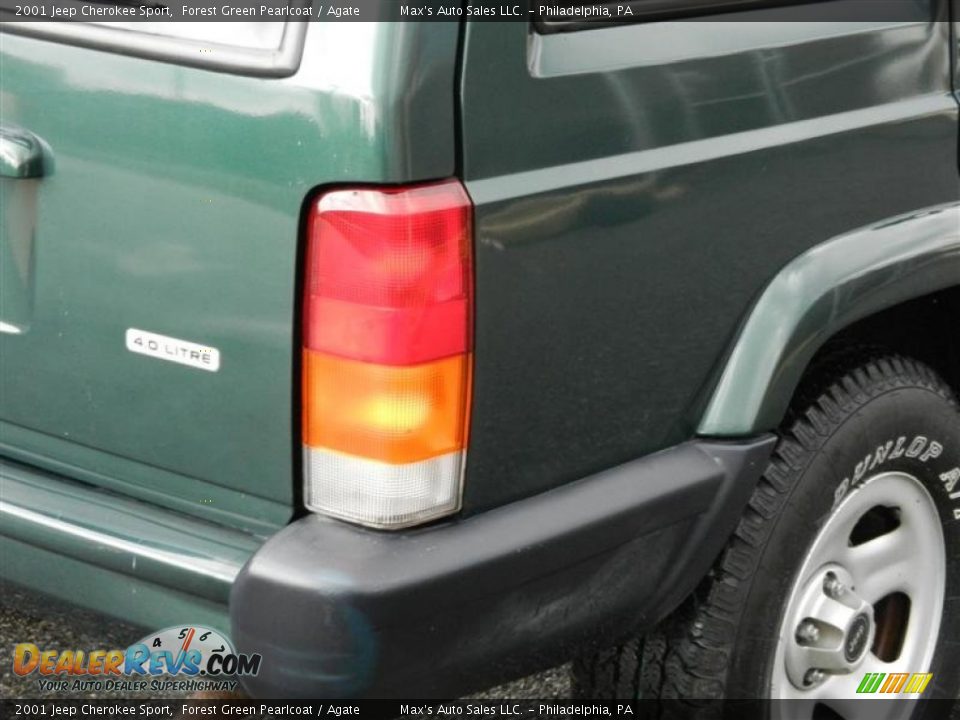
[389, 274]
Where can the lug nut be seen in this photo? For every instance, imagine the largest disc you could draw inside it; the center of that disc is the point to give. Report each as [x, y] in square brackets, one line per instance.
[833, 587]
[814, 677]
[808, 633]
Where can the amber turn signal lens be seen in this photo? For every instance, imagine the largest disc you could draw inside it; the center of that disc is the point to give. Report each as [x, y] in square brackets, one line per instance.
[394, 414]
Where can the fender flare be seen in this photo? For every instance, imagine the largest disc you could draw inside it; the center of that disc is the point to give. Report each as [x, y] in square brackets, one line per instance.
[822, 291]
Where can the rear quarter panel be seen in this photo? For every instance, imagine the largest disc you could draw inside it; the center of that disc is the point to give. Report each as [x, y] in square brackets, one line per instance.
[636, 189]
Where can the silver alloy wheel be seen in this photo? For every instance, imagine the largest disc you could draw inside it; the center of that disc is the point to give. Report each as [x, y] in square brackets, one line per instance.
[855, 585]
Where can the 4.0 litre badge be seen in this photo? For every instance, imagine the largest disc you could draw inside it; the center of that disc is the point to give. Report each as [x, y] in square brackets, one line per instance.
[184, 352]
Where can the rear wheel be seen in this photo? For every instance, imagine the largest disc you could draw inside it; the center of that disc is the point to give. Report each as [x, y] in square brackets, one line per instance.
[844, 564]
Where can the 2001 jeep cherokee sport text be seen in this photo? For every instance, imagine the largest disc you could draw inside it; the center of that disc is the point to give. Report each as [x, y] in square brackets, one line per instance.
[423, 355]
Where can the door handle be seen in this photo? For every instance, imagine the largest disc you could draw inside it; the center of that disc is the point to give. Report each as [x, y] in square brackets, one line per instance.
[22, 154]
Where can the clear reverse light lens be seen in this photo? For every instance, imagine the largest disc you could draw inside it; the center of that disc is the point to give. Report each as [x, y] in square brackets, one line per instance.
[379, 494]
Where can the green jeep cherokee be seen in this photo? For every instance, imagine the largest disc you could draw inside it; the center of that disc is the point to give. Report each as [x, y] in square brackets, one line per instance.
[421, 355]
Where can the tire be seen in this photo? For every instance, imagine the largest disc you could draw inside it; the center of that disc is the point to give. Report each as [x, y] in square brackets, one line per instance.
[612, 674]
[883, 425]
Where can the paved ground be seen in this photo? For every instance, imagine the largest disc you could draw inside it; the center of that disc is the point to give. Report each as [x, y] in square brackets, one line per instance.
[29, 618]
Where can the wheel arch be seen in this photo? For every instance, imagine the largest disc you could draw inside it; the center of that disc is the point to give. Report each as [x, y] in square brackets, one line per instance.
[845, 290]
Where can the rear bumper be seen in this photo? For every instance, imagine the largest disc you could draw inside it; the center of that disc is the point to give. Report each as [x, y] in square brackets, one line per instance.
[339, 611]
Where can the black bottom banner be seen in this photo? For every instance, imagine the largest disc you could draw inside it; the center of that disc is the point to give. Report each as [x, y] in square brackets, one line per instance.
[233, 707]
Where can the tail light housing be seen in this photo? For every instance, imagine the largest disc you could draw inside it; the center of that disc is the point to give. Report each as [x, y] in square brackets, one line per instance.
[387, 353]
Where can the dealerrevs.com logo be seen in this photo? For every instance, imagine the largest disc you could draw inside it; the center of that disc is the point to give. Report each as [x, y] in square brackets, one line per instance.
[200, 658]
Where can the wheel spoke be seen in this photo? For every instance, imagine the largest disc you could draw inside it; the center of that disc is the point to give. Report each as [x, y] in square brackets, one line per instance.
[824, 658]
[799, 708]
[873, 664]
[841, 698]
[835, 613]
[866, 708]
[883, 565]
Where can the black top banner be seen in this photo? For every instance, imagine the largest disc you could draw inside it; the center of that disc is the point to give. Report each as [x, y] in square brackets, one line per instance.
[604, 12]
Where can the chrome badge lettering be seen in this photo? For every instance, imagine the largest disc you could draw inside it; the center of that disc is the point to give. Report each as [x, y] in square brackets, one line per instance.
[183, 352]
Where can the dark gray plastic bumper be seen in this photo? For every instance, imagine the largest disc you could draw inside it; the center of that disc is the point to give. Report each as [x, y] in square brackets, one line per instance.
[339, 611]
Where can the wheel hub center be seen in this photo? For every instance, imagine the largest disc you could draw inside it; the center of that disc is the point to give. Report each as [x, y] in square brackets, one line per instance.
[834, 629]
[855, 643]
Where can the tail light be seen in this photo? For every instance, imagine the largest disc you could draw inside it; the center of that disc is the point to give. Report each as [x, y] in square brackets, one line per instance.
[386, 357]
